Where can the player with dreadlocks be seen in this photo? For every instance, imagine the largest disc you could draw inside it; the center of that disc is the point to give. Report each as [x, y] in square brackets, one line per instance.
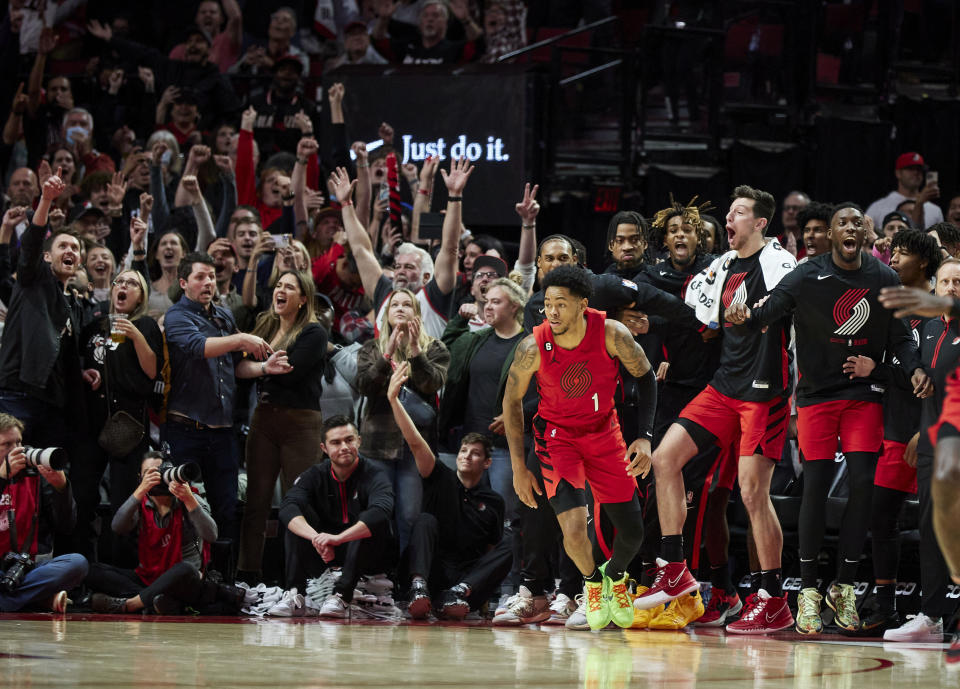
[690, 362]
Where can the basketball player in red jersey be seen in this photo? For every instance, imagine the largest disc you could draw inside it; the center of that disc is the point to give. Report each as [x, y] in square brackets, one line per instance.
[575, 355]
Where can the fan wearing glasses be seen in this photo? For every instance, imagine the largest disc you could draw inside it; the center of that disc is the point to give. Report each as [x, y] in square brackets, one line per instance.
[125, 348]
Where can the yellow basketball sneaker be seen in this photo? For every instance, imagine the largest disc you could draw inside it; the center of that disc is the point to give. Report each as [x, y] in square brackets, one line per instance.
[681, 612]
[598, 609]
[641, 618]
[619, 601]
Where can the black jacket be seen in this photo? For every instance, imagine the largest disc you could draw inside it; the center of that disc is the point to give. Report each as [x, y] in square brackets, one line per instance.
[38, 312]
[366, 496]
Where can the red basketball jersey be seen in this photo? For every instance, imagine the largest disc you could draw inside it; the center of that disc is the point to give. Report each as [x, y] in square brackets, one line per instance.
[577, 385]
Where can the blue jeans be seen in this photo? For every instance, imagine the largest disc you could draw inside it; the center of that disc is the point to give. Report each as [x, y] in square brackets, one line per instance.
[215, 450]
[43, 581]
[407, 491]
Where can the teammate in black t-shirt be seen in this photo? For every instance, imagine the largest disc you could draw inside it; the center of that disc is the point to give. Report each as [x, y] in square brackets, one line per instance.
[747, 396]
[840, 327]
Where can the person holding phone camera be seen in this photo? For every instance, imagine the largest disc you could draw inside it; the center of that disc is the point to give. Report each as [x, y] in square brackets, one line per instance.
[914, 181]
[174, 529]
[35, 500]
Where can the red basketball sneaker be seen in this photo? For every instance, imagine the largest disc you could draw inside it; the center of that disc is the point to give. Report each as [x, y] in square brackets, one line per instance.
[953, 653]
[722, 605]
[763, 614]
[672, 581]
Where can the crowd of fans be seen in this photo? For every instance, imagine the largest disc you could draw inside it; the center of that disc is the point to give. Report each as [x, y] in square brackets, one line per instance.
[196, 273]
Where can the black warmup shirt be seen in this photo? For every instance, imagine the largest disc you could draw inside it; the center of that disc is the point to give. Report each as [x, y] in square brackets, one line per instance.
[485, 368]
[901, 408]
[754, 365]
[940, 352]
[837, 315]
[470, 519]
[692, 361]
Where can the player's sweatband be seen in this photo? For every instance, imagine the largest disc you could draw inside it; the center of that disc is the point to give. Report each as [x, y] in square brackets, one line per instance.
[646, 404]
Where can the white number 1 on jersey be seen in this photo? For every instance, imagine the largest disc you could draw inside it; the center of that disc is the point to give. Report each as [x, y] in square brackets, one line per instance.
[596, 402]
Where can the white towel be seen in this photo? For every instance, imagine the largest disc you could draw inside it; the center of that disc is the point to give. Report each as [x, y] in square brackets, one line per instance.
[703, 294]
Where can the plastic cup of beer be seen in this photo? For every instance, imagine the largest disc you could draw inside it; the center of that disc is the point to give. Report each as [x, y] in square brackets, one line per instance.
[116, 334]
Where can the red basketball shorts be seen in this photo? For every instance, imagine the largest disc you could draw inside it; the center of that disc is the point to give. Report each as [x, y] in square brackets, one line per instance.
[858, 425]
[949, 421]
[761, 426]
[585, 453]
[892, 471]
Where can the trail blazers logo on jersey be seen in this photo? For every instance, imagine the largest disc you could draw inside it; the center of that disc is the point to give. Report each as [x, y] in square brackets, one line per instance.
[735, 291]
[851, 312]
[576, 379]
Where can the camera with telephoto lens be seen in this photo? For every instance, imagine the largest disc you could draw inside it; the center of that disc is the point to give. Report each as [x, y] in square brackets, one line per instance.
[15, 568]
[184, 473]
[50, 457]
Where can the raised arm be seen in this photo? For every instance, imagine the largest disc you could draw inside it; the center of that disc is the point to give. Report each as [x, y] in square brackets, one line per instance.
[528, 209]
[445, 265]
[422, 454]
[228, 182]
[246, 174]
[367, 264]
[234, 27]
[364, 189]
[526, 361]
[461, 10]
[306, 147]
[423, 195]
[189, 188]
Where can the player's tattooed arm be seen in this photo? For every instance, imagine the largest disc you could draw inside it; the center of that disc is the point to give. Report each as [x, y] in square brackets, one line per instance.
[620, 343]
[526, 361]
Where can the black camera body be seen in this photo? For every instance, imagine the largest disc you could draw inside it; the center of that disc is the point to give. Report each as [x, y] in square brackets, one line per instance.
[15, 568]
[184, 473]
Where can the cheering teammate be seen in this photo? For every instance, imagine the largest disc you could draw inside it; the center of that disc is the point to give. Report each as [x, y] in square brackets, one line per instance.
[945, 479]
[915, 257]
[841, 331]
[747, 396]
[576, 356]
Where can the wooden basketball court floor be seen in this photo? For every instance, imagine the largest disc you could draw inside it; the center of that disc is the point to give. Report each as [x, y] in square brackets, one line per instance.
[78, 650]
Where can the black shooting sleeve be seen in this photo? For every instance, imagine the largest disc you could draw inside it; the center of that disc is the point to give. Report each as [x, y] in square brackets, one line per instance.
[646, 404]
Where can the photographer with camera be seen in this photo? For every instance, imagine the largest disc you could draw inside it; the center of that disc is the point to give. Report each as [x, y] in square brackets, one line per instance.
[35, 498]
[174, 532]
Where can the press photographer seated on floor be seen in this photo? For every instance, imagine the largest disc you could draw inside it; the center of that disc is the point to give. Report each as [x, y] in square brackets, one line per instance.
[35, 501]
[175, 528]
